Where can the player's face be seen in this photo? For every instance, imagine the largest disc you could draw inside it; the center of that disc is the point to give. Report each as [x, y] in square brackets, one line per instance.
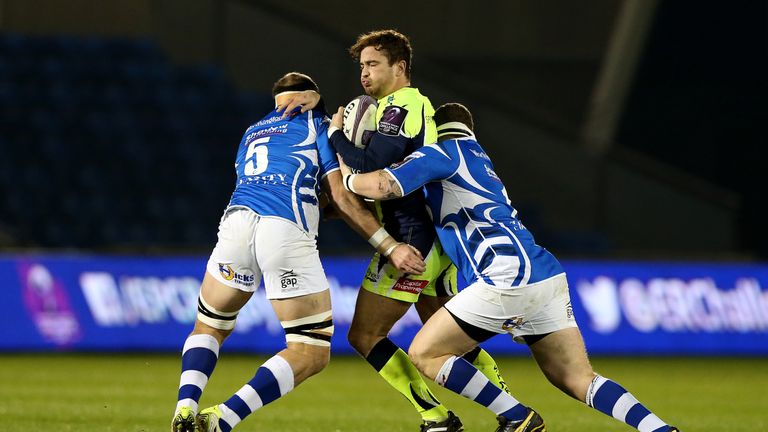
[377, 76]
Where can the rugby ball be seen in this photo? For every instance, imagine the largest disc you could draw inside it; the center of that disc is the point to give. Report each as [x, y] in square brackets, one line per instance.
[359, 121]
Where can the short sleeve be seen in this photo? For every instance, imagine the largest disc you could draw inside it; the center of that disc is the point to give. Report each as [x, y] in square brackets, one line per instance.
[429, 163]
[327, 161]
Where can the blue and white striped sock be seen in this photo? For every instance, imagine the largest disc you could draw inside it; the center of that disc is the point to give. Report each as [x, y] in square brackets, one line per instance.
[459, 376]
[272, 380]
[198, 359]
[612, 399]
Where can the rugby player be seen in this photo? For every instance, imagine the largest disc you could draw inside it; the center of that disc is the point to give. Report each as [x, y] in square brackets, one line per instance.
[404, 124]
[268, 230]
[515, 287]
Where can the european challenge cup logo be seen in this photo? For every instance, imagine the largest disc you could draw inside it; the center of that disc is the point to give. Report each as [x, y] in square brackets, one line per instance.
[48, 304]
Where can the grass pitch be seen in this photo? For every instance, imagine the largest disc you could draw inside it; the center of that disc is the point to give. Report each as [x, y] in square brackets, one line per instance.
[136, 393]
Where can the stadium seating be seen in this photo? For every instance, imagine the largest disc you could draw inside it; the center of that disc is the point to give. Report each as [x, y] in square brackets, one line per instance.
[106, 145]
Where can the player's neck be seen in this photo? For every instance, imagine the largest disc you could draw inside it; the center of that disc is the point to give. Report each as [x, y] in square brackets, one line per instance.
[397, 87]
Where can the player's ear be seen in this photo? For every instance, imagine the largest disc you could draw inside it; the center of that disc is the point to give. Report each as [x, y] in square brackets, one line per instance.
[400, 68]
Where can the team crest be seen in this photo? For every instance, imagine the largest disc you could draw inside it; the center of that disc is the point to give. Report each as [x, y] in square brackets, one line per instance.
[512, 323]
[226, 271]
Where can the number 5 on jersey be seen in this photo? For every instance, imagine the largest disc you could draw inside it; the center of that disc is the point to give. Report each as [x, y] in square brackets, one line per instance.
[261, 157]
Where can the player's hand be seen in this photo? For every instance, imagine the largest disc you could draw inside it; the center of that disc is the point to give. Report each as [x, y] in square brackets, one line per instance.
[345, 170]
[338, 118]
[407, 259]
[306, 99]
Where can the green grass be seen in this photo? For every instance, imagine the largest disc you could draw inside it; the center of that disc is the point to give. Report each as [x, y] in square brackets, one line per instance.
[132, 393]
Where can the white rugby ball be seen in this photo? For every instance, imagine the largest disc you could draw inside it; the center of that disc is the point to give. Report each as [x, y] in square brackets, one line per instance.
[359, 122]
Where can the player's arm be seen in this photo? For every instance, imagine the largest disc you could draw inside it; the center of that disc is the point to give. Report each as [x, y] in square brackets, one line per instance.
[354, 212]
[419, 168]
[378, 185]
[381, 151]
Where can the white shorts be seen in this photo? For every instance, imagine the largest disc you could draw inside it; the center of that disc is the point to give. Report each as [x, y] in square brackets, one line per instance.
[535, 309]
[251, 246]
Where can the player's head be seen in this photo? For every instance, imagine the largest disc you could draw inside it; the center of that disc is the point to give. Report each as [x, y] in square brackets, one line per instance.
[453, 120]
[385, 61]
[294, 81]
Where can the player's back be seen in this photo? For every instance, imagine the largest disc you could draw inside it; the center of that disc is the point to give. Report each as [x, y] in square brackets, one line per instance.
[279, 164]
[476, 223]
[474, 202]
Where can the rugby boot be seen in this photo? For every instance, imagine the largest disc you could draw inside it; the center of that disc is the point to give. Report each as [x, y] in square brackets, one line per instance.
[450, 424]
[184, 421]
[208, 419]
[532, 423]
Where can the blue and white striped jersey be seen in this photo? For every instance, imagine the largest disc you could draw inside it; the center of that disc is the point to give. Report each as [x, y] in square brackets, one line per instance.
[279, 165]
[475, 221]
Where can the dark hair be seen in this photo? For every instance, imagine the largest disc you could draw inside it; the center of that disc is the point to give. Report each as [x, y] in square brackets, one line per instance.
[294, 81]
[394, 45]
[454, 112]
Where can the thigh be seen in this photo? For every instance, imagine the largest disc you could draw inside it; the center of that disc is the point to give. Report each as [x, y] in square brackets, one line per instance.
[562, 358]
[439, 338]
[294, 308]
[428, 305]
[375, 314]
[442, 335]
[288, 259]
[223, 297]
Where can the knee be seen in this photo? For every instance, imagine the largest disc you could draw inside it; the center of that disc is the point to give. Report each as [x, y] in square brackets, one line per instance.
[573, 383]
[219, 334]
[420, 358]
[307, 360]
[317, 361]
[361, 340]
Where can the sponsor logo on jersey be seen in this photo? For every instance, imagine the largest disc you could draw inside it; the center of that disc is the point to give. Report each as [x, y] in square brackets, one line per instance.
[569, 311]
[229, 274]
[491, 173]
[480, 154]
[408, 285]
[392, 120]
[272, 130]
[267, 121]
[512, 323]
[273, 179]
[371, 276]
[289, 280]
[410, 157]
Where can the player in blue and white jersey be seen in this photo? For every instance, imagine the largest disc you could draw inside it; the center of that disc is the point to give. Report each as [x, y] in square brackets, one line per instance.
[269, 231]
[515, 286]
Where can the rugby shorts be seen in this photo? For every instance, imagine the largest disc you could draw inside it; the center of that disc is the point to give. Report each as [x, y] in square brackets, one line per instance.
[439, 279]
[536, 309]
[251, 247]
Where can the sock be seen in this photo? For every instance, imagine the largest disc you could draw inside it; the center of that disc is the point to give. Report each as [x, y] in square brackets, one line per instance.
[487, 366]
[461, 377]
[612, 399]
[198, 359]
[393, 364]
[272, 380]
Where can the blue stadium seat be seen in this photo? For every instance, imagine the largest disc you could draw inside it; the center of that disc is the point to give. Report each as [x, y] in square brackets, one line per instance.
[110, 117]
